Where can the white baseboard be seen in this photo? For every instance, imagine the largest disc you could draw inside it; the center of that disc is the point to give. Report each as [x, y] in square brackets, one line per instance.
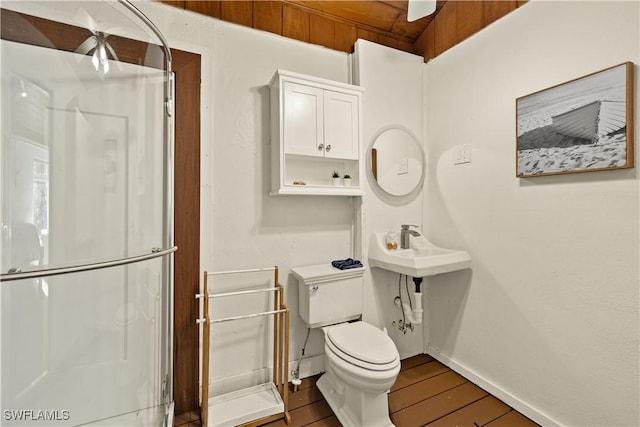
[495, 390]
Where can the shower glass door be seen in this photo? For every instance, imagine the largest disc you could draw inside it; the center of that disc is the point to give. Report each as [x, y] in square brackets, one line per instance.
[85, 211]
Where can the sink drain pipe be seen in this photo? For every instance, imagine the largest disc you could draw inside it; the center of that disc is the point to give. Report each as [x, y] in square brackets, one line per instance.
[417, 295]
[411, 314]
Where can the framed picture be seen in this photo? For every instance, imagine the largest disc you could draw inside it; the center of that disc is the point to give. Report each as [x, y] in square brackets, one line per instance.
[583, 125]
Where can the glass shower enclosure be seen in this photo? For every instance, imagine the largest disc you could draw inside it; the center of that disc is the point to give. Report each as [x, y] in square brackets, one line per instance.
[86, 241]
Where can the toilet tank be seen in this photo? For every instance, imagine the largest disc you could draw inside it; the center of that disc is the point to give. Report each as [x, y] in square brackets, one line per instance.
[328, 295]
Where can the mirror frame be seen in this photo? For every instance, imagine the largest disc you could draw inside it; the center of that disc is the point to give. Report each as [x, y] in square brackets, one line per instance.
[373, 182]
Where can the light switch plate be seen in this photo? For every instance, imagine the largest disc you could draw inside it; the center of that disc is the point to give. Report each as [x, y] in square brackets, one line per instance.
[462, 154]
[403, 166]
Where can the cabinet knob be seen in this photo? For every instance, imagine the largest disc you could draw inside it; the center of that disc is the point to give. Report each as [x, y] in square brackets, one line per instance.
[320, 147]
[329, 147]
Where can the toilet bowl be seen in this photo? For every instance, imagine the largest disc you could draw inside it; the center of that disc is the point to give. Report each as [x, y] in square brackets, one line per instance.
[361, 361]
[361, 364]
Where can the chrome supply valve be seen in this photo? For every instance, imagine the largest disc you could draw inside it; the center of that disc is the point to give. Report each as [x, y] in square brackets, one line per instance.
[405, 232]
[403, 326]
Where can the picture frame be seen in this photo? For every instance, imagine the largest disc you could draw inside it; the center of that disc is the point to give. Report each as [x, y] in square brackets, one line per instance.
[583, 125]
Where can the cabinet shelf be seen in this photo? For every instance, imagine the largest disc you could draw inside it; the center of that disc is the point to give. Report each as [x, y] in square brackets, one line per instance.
[315, 130]
[317, 190]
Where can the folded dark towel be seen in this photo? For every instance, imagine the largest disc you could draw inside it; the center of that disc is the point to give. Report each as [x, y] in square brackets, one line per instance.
[345, 264]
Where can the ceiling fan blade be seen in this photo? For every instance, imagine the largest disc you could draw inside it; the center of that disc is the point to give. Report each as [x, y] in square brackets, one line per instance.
[420, 8]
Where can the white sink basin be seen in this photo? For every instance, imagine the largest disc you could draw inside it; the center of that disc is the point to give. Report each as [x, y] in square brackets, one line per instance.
[421, 260]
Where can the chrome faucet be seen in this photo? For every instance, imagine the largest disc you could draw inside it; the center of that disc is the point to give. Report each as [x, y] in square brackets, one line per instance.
[405, 232]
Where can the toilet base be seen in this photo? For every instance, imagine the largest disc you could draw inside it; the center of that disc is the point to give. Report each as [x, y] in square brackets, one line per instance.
[354, 407]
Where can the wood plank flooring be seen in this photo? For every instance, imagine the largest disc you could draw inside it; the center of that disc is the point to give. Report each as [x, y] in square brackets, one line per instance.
[426, 393]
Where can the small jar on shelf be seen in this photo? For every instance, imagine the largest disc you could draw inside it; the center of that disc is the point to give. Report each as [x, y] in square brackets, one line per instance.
[392, 240]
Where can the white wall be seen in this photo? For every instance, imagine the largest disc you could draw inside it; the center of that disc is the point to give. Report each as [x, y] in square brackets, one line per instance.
[547, 318]
[242, 226]
[393, 96]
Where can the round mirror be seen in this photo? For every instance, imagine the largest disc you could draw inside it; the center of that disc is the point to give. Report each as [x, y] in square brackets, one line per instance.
[396, 161]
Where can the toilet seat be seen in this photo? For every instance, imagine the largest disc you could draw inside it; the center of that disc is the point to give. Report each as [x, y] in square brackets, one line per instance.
[363, 345]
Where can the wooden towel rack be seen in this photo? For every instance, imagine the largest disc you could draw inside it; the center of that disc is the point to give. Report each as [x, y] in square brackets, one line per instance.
[254, 405]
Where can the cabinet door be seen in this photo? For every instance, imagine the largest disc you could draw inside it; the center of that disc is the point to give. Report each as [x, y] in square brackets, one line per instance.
[340, 125]
[303, 120]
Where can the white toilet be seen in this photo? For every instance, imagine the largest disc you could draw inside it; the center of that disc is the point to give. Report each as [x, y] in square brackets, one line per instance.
[361, 361]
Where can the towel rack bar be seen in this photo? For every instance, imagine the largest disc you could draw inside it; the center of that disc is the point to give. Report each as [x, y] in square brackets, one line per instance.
[251, 270]
[246, 316]
[228, 294]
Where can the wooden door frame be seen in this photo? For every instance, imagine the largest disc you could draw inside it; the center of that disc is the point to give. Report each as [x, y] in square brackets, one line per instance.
[186, 338]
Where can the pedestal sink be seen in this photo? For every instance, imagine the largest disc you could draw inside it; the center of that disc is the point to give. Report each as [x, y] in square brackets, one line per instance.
[421, 260]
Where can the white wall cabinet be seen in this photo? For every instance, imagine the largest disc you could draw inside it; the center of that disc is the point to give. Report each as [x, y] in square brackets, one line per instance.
[315, 130]
[341, 136]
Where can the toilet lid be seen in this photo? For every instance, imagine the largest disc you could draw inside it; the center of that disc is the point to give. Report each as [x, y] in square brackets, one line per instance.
[364, 342]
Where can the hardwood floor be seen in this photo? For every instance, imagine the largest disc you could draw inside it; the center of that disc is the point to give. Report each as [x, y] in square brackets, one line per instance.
[426, 393]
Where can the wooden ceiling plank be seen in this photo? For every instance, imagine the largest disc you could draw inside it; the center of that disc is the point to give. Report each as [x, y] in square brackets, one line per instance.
[469, 18]
[336, 24]
[372, 13]
[237, 11]
[425, 45]
[411, 30]
[175, 3]
[322, 31]
[301, 5]
[295, 23]
[267, 16]
[496, 9]
[345, 37]
[363, 34]
[398, 4]
[395, 43]
[445, 28]
[209, 8]
[430, 46]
